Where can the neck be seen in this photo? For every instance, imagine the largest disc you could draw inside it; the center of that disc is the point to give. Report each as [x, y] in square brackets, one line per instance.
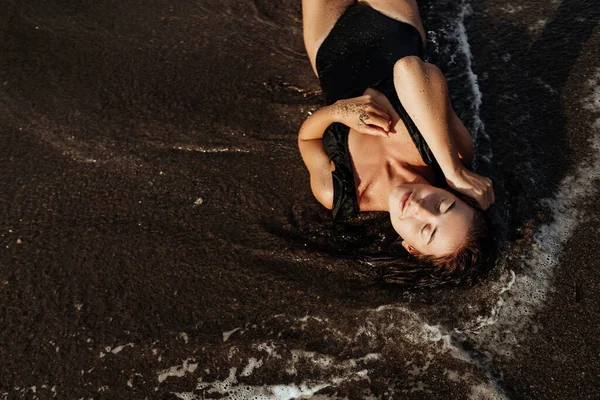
[396, 181]
[375, 182]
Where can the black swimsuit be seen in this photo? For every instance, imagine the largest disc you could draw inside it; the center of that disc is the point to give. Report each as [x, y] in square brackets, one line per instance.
[360, 53]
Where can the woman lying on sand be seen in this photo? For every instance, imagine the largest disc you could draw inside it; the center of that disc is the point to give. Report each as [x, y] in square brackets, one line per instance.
[389, 137]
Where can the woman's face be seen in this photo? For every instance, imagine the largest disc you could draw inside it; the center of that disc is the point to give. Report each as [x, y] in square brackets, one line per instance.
[430, 220]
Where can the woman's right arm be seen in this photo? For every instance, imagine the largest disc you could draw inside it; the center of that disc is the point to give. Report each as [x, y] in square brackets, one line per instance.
[310, 142]
[360, 113]
[423, 91]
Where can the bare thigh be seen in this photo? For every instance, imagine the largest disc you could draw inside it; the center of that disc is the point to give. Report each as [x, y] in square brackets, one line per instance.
[319, 17]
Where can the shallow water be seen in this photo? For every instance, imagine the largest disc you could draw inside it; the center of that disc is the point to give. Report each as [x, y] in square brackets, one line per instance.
[160, 239]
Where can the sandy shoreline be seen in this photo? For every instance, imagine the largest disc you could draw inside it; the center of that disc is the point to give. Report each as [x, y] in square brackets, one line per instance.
[158, 232]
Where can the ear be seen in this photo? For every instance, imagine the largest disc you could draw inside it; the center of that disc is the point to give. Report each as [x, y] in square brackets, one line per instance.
[410, 249]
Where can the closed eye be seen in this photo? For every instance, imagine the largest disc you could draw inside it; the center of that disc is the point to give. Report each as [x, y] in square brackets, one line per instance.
[451, 206]
[424, 227]
[432, 235]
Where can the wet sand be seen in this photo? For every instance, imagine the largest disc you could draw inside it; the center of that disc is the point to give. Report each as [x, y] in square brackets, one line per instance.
[159, 238]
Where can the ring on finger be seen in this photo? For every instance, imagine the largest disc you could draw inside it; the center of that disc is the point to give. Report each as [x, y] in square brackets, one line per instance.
[363, 118]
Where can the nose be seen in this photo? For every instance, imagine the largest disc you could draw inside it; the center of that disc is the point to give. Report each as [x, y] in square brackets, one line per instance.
[422, 210]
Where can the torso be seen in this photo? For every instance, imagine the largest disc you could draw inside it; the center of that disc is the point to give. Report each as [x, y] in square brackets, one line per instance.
[380, 163]
[325, 13]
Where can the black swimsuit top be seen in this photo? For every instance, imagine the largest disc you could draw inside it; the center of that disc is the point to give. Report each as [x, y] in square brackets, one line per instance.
[360, 53]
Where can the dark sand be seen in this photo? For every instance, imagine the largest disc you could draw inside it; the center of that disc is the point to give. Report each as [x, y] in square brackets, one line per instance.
[153, 197]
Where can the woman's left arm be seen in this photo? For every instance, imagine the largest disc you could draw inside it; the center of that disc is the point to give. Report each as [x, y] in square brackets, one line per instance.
[423, 91]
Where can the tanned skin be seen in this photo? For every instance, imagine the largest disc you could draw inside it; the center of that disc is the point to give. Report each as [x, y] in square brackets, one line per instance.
[382, 152]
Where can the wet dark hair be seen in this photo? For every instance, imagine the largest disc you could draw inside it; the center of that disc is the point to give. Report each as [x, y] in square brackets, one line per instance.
[463, 265]
[375, 252]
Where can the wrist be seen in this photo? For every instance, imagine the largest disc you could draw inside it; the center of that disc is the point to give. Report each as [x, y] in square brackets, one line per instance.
[454, 170]
[335, 112]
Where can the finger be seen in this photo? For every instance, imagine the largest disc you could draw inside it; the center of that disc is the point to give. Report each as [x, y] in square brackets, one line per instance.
[364, 118]
[472, 199]
[483, 193]
[488, 196]
[482, 204]
[380, 122]
[481, 200]
[373, 130]
[380, 112]
[372, 102]
[486, 200]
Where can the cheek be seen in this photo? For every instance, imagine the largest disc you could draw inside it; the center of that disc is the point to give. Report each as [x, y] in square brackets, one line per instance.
[406, 228]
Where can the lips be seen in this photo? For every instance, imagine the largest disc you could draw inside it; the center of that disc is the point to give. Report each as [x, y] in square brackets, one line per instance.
[404, 201]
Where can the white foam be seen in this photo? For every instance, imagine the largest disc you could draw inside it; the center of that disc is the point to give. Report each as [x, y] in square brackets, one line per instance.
[230, 389]
[538, 26]
[483, 321]
[511, 9]
[118, 349]
[184, 336]
[528, 291]
[253, 363]
[200, 149]
[465, 48]
[333, 372]
[187, 396]
[485, 392]
[452, 376]
[592, 101]
[178, 370]
[268, 348]
[546, 86]
[227, 335]
[419, 332]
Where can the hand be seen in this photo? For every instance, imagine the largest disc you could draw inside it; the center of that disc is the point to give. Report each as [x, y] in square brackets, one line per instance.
[473, 185]
[363, 114]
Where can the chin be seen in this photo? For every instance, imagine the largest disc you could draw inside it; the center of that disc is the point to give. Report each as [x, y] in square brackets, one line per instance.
[397, 193]
[395, 198]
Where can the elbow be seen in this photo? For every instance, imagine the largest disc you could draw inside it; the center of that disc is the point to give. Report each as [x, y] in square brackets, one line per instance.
[325, 197]
[323, 192]
[409, 68]
[408, 65]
